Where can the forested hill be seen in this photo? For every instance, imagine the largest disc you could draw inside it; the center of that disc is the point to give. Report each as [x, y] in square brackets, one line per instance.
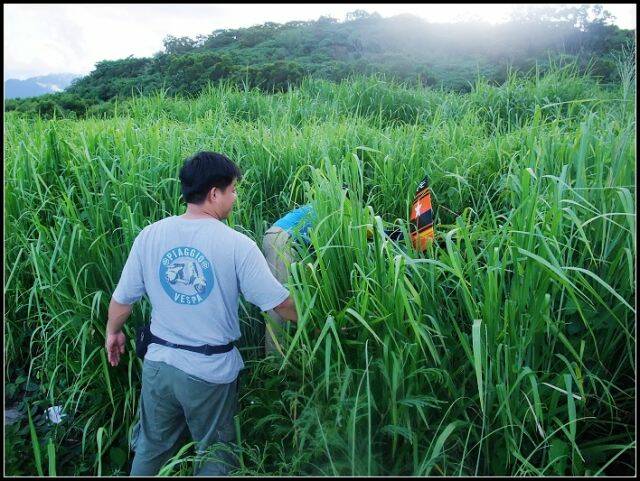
[273, 56]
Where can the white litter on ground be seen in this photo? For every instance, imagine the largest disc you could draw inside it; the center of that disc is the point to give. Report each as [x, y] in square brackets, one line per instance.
[55, 414]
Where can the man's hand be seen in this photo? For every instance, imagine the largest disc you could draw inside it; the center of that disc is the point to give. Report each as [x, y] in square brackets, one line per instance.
[287, 309]
[115, 347]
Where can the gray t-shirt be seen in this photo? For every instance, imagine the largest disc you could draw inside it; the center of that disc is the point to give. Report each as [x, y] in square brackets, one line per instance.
[193, 271]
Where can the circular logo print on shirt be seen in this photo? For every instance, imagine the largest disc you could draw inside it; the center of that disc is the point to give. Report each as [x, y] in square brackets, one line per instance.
[186, 275]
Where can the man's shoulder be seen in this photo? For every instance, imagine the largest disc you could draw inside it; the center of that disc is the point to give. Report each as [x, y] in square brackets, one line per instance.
[238, 239]
[243, 241]
[159, 223]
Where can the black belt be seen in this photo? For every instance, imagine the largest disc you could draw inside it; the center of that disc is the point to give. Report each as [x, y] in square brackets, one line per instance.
[204, 349]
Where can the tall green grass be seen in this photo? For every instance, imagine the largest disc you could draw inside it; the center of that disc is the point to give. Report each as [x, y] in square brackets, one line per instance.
[505, 349]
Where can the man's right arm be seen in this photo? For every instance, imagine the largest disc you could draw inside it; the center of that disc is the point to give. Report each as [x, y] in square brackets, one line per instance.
[287, 309]
[259, 286]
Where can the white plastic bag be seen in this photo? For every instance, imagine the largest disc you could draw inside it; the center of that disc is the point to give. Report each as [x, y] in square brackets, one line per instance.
[55, 414]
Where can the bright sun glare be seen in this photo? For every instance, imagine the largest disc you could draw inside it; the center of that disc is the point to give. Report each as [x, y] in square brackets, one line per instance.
[493, 13]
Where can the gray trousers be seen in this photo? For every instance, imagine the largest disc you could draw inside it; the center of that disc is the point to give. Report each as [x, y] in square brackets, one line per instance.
[278, 252]
[172, 402]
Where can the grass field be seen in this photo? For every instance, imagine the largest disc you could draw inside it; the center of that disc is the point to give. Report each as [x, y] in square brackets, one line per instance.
[506, 349]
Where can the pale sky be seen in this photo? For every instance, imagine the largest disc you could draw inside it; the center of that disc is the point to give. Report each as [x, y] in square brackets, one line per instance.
[42, 38]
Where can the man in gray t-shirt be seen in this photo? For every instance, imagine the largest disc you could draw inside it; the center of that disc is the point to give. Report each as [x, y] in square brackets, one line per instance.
[192, 268]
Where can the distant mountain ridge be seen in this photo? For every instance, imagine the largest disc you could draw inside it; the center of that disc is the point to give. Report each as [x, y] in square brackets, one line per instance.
[35, 86]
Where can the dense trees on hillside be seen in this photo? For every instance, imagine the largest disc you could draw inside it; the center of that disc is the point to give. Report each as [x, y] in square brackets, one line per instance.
[275, 56]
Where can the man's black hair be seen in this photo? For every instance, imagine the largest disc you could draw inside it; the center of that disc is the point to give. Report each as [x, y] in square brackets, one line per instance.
[202, 172]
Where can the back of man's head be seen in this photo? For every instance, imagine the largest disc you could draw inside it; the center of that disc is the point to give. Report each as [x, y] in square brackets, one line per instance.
[202, 172]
